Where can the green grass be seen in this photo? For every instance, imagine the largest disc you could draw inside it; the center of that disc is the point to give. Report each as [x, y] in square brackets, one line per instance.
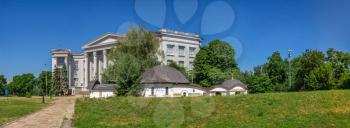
[294, 110]
[15, 107]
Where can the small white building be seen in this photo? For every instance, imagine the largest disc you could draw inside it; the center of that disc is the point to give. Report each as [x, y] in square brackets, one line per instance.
[102, 90]
[229, 87]
[165, 81]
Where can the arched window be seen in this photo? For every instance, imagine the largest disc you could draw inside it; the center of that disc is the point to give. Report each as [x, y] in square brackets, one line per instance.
[152, 91]
[166, 90]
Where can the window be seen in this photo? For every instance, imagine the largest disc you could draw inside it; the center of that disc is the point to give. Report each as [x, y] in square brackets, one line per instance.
[194, 90]
[192, 50]
[168, 62]
[170, 50]
[152, 91]
[181, 50]
[76, 69]
[166, 91]
[181, 63]
[60, 61]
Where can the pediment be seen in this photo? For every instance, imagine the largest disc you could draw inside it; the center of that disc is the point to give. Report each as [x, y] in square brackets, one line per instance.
[108, 39]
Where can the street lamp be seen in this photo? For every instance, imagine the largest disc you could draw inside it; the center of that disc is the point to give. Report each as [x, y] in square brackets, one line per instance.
[289, 68]
[42, 87]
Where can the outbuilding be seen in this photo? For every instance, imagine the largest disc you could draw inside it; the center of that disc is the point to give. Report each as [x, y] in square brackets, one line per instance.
[102, 90]
[229, 87]
[165, 81]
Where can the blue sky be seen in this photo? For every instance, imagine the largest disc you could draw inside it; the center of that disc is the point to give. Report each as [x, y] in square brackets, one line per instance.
[29, 29]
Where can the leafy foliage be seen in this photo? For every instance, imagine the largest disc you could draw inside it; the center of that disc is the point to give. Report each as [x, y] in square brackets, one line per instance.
[311, 70]
[214, 63]
[135, 53]
[2, 84]
[59, 81]
[22, 84]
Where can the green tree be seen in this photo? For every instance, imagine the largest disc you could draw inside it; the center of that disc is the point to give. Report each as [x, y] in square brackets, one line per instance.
[181, 69]
[2, 84]
[135, 53]
[59, 81]
[320, 78]
[276, 69]
[340, 62]
[303, 65]
[261, 84]
[214, 63]
[23, 84]
[41, 81]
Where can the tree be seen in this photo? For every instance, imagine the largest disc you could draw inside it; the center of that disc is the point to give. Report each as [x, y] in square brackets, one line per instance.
[276, 70]
[340, 62]
[23, 84]
[261, 84]
[181, 69]
[320, 78]
[303, 65]
[2, 84]
[214, 63]
[135, 53]
[59, 81]
[41, 81]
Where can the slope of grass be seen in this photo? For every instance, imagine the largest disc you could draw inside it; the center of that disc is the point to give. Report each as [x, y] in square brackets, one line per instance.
[298, 109]
[15, 107]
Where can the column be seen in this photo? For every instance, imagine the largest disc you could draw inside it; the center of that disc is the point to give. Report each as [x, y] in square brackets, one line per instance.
[53, 63]
[105, 59]
[95, 65]
[86, 69]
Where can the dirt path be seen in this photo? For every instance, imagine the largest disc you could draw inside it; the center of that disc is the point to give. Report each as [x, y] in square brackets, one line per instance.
[55, 116]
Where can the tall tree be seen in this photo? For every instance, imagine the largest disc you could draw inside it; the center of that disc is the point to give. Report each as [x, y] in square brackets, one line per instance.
[276, 69]
[135, 53]
[340, 62]
[304, 64]
[41, 81]
[214, 63]
[2, 84]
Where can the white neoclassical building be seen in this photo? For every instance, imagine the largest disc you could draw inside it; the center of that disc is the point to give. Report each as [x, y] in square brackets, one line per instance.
[87, 66]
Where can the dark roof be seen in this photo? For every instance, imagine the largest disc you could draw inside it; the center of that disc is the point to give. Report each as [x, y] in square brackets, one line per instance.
[104, 87]
[92, 84]
[229, 84]
[163, 74]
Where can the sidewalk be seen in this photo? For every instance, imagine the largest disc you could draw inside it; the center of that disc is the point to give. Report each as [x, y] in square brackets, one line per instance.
[54, 116]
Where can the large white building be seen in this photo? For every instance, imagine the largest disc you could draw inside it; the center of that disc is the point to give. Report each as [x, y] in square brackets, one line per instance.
[87, 66]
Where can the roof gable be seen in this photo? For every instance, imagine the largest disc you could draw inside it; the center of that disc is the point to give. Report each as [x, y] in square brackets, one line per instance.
[108, 39]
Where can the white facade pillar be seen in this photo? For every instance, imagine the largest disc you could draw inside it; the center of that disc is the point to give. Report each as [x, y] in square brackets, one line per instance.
[86, 69]
[95, 65]
[105, 59]
[53, 63]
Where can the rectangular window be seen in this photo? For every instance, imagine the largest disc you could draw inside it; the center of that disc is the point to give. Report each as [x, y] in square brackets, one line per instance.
[181, 63]
[60, 61]
[170, 50]
[168, 62]
[181, 50]
[192, 50]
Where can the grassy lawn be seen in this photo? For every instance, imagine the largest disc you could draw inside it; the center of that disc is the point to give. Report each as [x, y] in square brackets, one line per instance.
[15, 107]
[299, 109]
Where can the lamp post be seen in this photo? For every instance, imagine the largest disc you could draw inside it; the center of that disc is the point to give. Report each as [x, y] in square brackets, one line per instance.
[289, 68]
[42, 87]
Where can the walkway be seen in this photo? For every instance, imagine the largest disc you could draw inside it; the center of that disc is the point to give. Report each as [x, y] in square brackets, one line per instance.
[55, 116]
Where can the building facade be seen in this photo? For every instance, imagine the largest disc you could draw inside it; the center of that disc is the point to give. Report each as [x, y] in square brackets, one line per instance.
[179, 47]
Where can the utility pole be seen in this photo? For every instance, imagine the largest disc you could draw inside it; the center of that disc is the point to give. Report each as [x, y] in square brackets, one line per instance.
[289, 68]
[42, 87]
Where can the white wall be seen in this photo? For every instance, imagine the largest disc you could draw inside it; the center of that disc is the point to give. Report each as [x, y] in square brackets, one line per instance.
[101, 94]
[173, 92]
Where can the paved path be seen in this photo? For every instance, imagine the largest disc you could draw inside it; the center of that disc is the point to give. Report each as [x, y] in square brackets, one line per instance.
[55, 116]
